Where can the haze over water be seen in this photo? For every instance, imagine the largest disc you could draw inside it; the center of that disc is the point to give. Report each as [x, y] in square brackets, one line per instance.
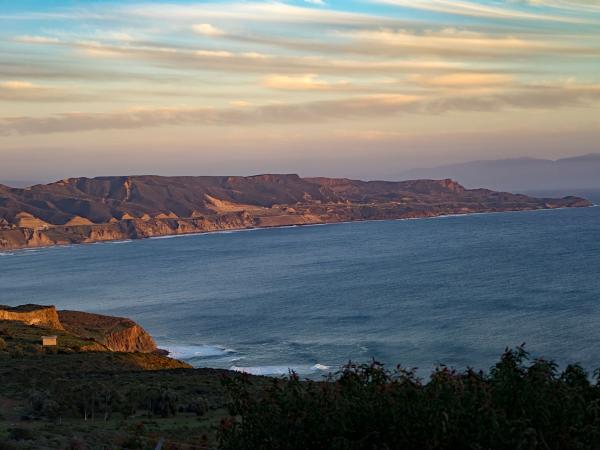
[454, 290]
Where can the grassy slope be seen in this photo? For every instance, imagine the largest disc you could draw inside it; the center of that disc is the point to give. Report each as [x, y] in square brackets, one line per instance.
[26, 369]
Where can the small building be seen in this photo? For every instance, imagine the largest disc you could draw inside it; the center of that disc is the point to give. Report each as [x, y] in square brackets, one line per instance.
[48, 341]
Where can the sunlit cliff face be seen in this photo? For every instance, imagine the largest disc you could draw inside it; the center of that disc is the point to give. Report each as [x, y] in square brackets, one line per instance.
[356, 88]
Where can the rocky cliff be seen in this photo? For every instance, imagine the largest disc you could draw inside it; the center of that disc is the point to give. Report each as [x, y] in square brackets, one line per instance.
[82, 210]
[116, 333]
[42, 316]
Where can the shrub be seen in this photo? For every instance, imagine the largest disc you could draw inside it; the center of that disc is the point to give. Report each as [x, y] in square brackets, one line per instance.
[51, 350]
[16, 352]
[33, 349]
[198, 406]
[21, 434]
[518, 404]
[162, 402]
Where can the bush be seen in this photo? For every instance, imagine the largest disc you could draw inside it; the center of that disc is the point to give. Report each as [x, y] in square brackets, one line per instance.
[51, 350]
[21, 434]
[41, 404]
[162, 402]
[519, 404]
[16, 352]
[198, 406]
[33, 349]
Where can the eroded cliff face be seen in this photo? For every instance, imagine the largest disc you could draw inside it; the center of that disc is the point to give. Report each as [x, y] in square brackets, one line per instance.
[41, 316]
[116, 333]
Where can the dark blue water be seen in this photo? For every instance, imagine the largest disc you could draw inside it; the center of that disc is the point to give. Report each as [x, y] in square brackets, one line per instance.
[456, 290]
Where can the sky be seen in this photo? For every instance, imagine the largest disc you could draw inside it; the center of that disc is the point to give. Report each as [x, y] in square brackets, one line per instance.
[363, 89]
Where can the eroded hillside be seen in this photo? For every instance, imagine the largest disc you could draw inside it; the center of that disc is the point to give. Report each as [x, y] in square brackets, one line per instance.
[80, 210]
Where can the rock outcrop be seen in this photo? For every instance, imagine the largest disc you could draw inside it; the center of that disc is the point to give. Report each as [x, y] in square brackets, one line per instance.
[83, 210]
[116, 333]
[38, 315]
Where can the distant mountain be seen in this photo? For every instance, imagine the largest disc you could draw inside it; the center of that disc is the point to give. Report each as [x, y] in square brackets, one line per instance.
[564, 176]
[107, 208]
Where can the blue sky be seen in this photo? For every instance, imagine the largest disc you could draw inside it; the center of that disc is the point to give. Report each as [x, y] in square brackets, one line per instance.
[321, 87]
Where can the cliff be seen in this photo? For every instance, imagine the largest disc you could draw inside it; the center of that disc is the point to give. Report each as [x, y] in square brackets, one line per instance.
[82, 210]
[99, 332]
[116, 333]
[42, 316]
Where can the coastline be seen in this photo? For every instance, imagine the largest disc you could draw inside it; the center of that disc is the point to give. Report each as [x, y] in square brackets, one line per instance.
[127, 239]
[83, 210]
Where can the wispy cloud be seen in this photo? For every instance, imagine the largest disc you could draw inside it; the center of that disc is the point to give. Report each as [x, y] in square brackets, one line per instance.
[457, 43]
[26, 91]
[519, 97]
[374, 66]
[308, 82]
[463, 80]
[473, 9]
[37, 40]
[273, 11]
[206, 29]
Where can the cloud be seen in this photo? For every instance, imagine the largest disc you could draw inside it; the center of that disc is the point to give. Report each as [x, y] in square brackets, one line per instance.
[307, 82]
[142, 118]
[266, 12]
[206, 29]
[493, 58]
[240, 103]
[382, 105]
[15, 85]
[255, 62]
[472, 9]
[582, 6]
[463, 80]
[213, 53]
[21, 91]
[37, 40]
[457, 43]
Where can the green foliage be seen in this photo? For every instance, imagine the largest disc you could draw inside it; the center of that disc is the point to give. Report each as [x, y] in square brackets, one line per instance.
[519, 404]
[20, 434]
[196, 405]
[42, 405]
[162, 402]
[16, 352]
[33, 349]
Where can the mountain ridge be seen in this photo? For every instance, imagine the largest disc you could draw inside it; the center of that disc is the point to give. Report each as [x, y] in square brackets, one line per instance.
[520, 174]
[81, 210]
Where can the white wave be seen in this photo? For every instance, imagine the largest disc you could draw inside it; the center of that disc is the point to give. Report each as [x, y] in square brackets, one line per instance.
[119, 242]
[6, 254]
[198, 351]
[171, 236]
[279, 370]
[263, 370]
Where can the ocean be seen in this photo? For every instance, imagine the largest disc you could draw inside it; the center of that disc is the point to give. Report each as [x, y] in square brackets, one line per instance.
[454, 290]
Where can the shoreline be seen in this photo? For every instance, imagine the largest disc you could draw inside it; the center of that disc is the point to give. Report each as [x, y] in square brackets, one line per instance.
[12, 251]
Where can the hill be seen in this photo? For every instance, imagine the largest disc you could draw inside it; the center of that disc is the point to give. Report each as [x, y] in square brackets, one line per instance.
[521, 174]
[80, 210]
[82, 330]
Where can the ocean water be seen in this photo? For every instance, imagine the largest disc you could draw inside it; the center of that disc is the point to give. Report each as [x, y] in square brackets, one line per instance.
[454, 290]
